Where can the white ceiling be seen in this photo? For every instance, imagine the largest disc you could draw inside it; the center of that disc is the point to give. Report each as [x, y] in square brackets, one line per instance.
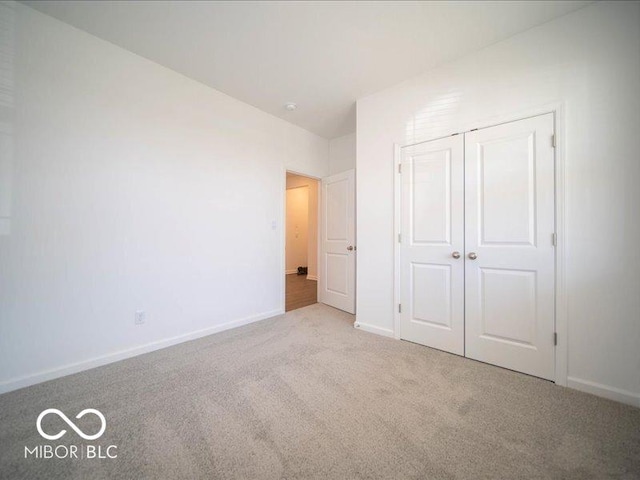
[322, 55]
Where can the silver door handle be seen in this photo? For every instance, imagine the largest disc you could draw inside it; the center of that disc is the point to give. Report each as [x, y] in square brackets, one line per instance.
[473, 255]
[350, 248]
[455, 255]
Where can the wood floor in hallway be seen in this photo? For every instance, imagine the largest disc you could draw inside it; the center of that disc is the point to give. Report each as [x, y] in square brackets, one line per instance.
[300, 292]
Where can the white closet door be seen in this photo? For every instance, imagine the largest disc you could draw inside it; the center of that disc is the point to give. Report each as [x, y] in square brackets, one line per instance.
[431, 244]
[510, 256]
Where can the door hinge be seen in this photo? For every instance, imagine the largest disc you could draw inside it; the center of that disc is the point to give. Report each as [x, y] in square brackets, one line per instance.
[553, 141]
[554, 239]
[399, 238]
[399, 308]
[399, 168]
[555, 338]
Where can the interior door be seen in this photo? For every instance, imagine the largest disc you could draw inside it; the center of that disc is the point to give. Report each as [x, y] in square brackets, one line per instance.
[509, 237]
[338, 251]
[432, 244]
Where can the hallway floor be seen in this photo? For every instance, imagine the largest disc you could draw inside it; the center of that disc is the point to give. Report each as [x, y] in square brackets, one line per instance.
[300, 292]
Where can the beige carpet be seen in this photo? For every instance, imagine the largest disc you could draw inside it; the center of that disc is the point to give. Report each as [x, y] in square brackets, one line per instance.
[305, 395]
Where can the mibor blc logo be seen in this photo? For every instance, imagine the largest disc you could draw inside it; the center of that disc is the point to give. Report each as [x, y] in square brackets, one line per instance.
[71, 424]
[71, 451]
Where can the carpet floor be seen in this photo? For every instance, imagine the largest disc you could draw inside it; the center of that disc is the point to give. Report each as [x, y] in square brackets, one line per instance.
[305, 395]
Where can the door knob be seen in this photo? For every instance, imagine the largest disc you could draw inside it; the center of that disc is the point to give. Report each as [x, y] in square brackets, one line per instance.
[473, 255]
[350, 248]
[455, 254]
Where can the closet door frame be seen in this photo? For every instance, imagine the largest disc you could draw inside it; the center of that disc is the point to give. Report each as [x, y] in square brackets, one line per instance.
[558, 111]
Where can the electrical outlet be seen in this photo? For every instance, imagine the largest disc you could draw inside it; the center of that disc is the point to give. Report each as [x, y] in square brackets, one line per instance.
[140, 317]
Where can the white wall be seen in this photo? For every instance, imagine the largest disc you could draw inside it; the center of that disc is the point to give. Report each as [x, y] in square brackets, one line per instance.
[294, 181]
[588, 61]
[132, 188]
[342, 153]
[297, 229]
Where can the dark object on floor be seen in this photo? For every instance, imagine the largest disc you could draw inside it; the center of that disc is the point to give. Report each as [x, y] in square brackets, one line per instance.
[302, 270]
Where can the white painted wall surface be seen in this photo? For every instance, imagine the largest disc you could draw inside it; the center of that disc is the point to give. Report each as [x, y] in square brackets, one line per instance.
[297, 228]
[294, 181]
[132, 188]
[342, 154]
[590, 62]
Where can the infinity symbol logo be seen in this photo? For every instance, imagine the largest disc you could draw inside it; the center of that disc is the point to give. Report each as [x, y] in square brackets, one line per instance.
[71, 424]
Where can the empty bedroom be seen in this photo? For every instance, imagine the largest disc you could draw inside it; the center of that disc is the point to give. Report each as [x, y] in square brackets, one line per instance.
[319, 239]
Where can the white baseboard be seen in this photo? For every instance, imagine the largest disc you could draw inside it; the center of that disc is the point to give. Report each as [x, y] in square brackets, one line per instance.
[312, 277]
[385, 332]
[612, 393]
[289, 272]
[26, 381]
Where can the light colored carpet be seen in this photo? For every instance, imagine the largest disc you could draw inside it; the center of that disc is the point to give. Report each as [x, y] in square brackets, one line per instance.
[306, 395]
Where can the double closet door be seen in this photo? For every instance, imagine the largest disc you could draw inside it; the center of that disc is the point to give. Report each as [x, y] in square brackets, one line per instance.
[477, 235]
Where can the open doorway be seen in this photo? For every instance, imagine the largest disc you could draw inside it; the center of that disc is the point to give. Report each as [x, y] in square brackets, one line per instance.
[301, 242]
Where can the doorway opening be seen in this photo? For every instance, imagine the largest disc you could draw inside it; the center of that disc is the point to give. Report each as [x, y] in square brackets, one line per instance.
[301, 242]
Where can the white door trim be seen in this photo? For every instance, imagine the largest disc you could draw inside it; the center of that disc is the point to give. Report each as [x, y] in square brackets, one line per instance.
[561, 327]
[397, 216]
